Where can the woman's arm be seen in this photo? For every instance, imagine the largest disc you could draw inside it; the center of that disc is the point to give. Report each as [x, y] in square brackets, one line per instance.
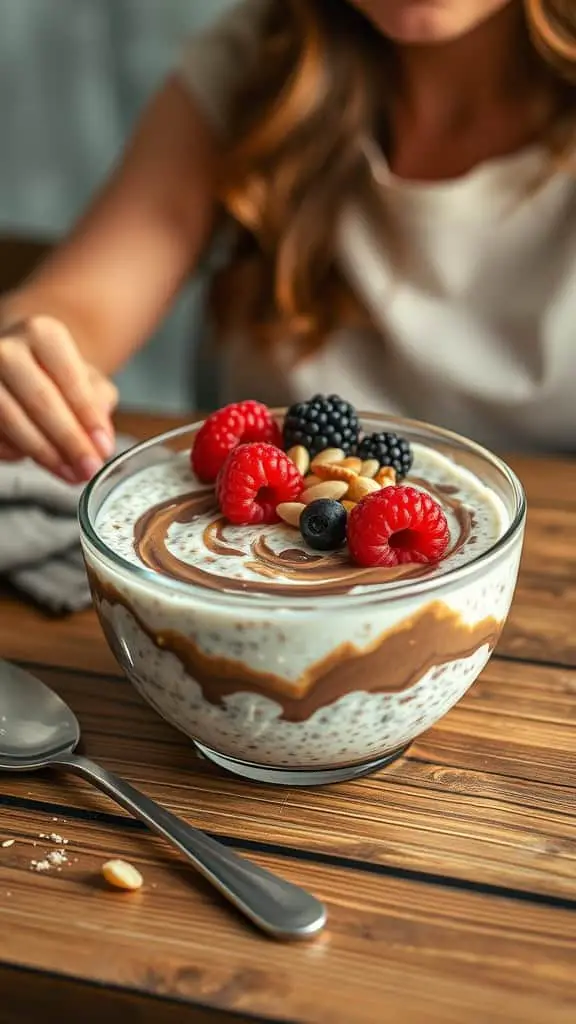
[113, 278]
[100, 294]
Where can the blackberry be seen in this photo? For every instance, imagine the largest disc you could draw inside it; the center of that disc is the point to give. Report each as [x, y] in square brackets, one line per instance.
[323, 524]
[322, 423]
[389, 450]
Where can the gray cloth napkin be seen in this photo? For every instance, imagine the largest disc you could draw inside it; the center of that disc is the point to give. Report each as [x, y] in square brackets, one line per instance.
[39, 539]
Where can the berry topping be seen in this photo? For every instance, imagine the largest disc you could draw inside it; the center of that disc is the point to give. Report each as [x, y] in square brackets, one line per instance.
[396, 526]
[389, 450]
[224, 430]
[322, 423]
[255, 479]
[323, 524]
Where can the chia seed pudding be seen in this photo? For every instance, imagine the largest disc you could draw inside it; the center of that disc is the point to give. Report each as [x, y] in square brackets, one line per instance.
[286, 664]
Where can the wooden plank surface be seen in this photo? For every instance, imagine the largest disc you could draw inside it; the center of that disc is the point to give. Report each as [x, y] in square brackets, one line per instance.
[426, 953]
[28, 998]
[450, 877]
[487, 797]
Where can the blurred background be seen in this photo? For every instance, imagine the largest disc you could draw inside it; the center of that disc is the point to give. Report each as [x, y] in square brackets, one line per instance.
[73, 76]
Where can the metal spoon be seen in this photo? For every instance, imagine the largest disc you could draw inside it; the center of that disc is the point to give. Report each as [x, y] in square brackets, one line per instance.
[38, 730]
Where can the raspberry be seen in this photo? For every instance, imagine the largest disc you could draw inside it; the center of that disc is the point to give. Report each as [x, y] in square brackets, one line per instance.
[322, 423]
[396, 526]
[226, 428]
[255, 479]
[389, 449]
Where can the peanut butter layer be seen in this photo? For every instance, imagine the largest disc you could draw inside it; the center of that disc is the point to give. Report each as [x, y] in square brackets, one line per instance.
[397, 659]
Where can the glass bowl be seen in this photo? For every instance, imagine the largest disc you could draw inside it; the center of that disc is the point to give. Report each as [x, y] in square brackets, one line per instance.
[300, 689]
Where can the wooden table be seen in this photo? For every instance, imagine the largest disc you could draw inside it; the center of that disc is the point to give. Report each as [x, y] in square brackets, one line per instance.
[450, 877]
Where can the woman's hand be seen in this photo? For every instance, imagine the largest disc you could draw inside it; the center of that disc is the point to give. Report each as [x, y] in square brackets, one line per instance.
[111, 281]
[54, 407]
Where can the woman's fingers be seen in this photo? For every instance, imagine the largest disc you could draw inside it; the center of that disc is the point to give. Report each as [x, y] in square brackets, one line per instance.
[54, 348]
[35, 418]
[17, 432]
[105, 392]
[54, 407]
[105, 395]
[8, 453]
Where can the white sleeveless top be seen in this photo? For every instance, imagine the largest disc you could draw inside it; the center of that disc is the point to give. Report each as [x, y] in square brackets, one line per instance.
[477, 323]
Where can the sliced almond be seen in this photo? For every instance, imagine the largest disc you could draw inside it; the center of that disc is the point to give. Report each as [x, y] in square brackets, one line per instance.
[386, 476]
[334, 489]
[369, 468]
[360, 487]
[311, 480]
[352, 462]
[349, 505]
[300, 457]
[334, 471]
[290, 512]
[328, 455]
[122, 875]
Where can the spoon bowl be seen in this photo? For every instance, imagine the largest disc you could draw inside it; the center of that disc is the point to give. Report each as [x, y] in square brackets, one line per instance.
[35, 723]
[39, 730]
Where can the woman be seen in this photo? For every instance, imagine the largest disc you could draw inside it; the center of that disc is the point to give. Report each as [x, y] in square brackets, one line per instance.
[397, 176]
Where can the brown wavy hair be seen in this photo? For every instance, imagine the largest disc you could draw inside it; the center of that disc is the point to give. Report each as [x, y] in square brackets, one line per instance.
[296, 154]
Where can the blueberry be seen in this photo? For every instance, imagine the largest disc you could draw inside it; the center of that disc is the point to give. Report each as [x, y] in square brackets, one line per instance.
[323, 524]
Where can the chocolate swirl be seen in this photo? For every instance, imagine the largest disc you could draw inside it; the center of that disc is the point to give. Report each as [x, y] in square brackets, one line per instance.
[289, 571]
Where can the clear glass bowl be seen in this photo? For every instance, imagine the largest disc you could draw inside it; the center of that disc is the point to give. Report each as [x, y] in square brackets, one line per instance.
[295, 689]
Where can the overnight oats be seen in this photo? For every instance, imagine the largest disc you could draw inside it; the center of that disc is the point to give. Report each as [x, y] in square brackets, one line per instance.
[303, 594]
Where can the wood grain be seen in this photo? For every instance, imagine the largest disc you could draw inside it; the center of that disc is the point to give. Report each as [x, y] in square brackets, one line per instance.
[27, 997]
[486, 797]
[28, 633]
[541, 622]
[426, 953]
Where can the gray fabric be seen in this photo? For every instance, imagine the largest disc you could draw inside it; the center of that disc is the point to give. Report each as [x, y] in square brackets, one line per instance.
[39, 542]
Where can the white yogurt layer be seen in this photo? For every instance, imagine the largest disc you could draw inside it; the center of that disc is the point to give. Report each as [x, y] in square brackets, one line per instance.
[174, 478]
[273, 636]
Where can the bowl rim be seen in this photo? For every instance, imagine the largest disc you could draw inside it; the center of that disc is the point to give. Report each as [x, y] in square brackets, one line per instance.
[393, 591]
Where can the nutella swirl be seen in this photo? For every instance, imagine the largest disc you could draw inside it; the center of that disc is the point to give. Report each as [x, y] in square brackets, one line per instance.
[279, 569]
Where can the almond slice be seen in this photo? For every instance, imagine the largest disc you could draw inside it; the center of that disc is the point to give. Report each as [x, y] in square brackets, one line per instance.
[360, 487]
[290, 512]
[328, 455]
[334, 489]
[369, 468]
[386, 476]
[334, 471]
[311, 480]
[352, 462]
[300, 457]
[122, 875]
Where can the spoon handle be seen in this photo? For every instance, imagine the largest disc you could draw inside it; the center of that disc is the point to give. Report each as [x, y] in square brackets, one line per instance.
[279, 908]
